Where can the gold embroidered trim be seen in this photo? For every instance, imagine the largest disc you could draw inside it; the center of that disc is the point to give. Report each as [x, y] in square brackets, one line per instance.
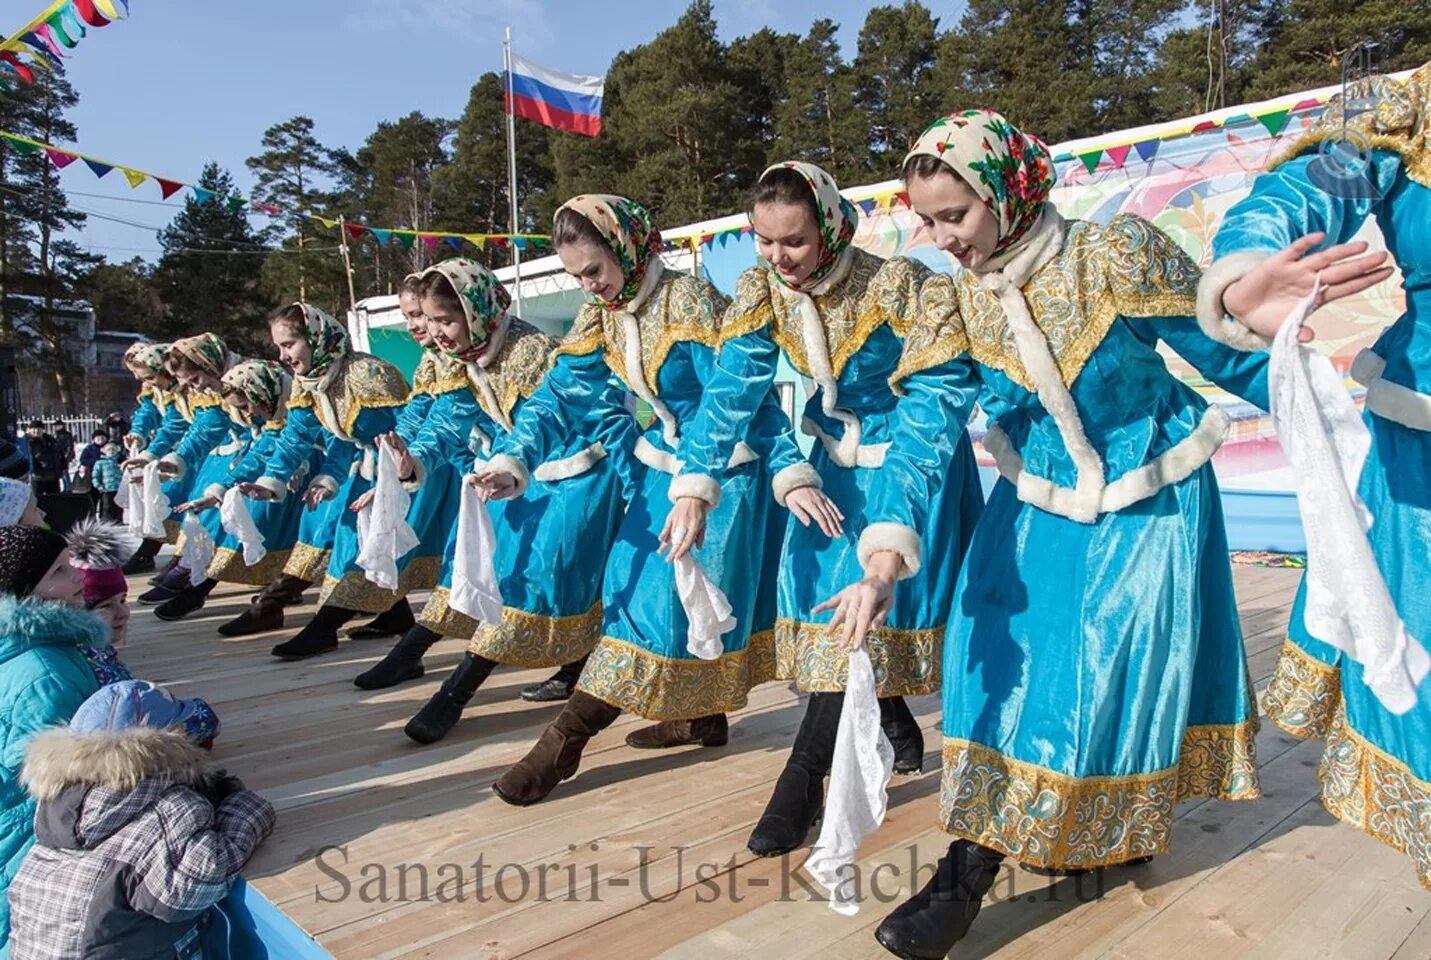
[907, 663]
[1044, 818]
[307, 562]
[937, 336]
[526, 639]
[1304, 693]
[356, 592]
[1400, 123]
[1367, 787]
[203, 399]
[171, 532]
[682, 309]
[660, 688]
[229, 567]
[439, 617]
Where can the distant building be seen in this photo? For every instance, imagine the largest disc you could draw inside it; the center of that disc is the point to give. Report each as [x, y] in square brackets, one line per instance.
[85, 375]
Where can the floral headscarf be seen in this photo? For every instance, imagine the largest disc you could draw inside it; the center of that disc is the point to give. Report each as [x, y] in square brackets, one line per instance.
[149, 357]
[835, 216]
[630, 235]
[263, 382]
[1011, 171]
[206, 351]
[327, 339]
[484, 301]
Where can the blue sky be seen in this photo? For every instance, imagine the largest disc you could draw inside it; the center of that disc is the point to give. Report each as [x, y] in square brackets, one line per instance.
[183, 82]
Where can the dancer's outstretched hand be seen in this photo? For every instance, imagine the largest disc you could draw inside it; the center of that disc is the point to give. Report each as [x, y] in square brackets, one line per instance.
[363, 501]
[316, 494]
[809, 504]
[862, 607]
[685, 528]
[256, 492]
[493, 484]
[404, 459]
[1263, 298]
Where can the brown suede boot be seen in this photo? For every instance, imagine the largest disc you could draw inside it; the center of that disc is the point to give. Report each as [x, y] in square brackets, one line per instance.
[557, 752]
[709, 731]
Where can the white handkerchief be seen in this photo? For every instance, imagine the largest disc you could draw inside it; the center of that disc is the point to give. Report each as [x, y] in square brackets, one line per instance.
[238, 521]
[855, 804]
[384, 536]
[475, 590]
[198, 548]
[1326, 442]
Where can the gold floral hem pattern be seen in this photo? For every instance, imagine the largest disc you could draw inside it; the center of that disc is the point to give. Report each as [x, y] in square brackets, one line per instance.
[229, 567]
[526, 639]
[171, 532]
[1304, 694]
[664, 688]
[907, 663]
[1043, 818]
[356, 592]
[439, 617]
[307, 562]
[1368, 788]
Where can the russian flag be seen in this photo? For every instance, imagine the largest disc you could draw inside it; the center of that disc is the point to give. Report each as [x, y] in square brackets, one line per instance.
[562, 100]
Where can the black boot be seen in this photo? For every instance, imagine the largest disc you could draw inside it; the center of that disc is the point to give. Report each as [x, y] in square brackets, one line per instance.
[904, 734]
[165, 571]
[403, 662]
[143, 559]
[395, 621]
[440, 714]
[265, 609]
[188, 600]
[172, 582]
[556, 687]
[928, 924]
[320, 636]
[799, 795]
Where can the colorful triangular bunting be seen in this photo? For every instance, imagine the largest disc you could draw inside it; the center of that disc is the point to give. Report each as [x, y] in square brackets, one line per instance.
[167, 188]
[1147, 149]
[1119, 154]
[454, 241]
[1275, 120]
[1090, 160]
[381, 236]
[134, 177]
[97, 168]
[202, 195]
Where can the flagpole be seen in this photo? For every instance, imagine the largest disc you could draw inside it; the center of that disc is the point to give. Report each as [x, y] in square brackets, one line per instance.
[512, 172]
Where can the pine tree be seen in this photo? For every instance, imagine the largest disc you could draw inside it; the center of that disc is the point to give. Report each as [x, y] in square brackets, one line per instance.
[292, 173]
[896, 88]
[208, 276]
[1305, 41]
[817, 119]
[123, 297]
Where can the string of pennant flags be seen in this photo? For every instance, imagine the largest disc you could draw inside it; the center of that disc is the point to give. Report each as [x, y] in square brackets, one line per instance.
[41, 43]
[62, 157]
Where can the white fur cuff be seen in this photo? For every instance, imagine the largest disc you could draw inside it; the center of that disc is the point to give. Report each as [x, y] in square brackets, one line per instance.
[794, 477]
[175, 461]
[274, 486]
[418, 478]
[510, 465]
[215, 490]
[1212, 316]
[891, 536]
[695, 485]
[143, 457]
[324, 482]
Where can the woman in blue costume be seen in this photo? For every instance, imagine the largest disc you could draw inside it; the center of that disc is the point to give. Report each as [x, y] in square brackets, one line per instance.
[547, 541]
[840, 316]
[150, 405]
[210, 441]
[348, 399]
[658, 332]
[255, 393]
[1376, 769]
[1093, 665]
[434, 506]
[158, 411]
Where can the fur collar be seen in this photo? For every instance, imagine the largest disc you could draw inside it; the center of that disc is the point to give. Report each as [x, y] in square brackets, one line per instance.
[117, 760]
[817, 354]
[632, 354]
[29, 622]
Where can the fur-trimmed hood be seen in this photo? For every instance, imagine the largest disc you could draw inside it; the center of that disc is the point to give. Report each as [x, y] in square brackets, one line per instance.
[118, 760]
[29, 622]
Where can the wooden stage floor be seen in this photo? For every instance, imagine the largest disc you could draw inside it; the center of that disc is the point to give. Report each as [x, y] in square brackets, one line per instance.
[389, 850]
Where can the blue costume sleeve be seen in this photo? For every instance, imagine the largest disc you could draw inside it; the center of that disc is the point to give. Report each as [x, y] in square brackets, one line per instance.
[146, 419]
[250, 466]
[413, 415]
[371, 422]
[444, 435]
[211, 428]
[741, 382]
[574, 397]
[171, 430]
[1285, 204]
[1238, 372]
[293, 449]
